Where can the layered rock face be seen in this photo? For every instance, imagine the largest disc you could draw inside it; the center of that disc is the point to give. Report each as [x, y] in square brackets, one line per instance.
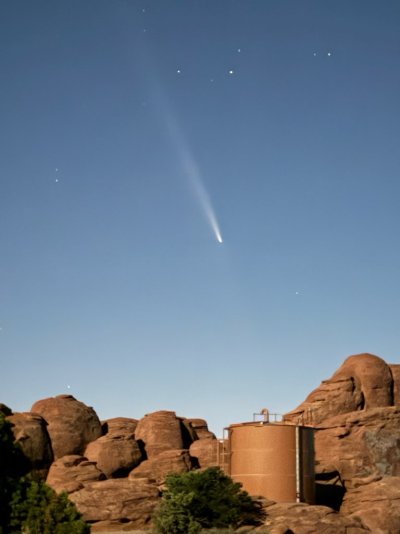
[356, 414]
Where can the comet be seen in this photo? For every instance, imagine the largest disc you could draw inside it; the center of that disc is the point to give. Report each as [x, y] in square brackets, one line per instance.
[192, 171]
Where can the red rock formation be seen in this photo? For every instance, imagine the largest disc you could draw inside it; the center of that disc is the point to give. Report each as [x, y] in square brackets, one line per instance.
[71, 424]
[117, 452]
[377, 504]
[165, 463]
[71, 473]
[122, 501]
[205, 451]
[357, 441]
[363, 381]
[159, 431]
[200, 428]
[301, 518]
[31, 433]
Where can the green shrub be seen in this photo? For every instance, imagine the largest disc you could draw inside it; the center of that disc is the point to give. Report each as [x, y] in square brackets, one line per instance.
[26, 505]
[202, 500]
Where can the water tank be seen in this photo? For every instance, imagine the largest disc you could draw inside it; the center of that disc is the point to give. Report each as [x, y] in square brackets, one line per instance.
[275, 460]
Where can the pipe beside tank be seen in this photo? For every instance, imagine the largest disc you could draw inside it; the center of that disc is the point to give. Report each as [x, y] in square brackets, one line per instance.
[274, 460]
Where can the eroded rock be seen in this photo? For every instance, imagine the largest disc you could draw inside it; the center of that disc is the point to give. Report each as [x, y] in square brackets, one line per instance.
[165, 463]
[71, 424]
[117, 452]
[159, 431]
[123, 500]
[31, 433]
[73, 472]
[363, 381]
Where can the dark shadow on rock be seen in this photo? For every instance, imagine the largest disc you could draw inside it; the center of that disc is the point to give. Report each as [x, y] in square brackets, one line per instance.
[329, 490]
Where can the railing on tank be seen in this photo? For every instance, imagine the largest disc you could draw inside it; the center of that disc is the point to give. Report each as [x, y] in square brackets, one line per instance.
[265, 416]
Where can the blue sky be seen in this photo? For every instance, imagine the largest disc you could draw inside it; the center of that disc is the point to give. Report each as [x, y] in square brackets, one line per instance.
[285, 114]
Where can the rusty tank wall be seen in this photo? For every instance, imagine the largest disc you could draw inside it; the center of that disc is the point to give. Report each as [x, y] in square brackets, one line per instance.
[274, 460]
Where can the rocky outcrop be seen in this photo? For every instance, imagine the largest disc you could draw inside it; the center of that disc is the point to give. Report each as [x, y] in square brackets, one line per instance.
[301, 518]
[165, 463]
[117, 452]
[158, 432]
[205, 452]
[31, 433]
[363, 381]
[71, 424]
[377, 503]
[200, 428]
[357, 441]
[72, 473]
[114, 471]
[360, 445]
[121, 426]
[120, 501]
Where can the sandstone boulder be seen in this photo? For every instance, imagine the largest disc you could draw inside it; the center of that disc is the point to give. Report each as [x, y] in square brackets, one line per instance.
[71, 424]
[117, 452]
[120, 426]
[71, 473]
[165, 463]
[31, 433]
[301, 518]
[122, 501]
[360, 445]
[377, 504]
[200, 428]
[205, 451]
[159, 431]
[363, 381]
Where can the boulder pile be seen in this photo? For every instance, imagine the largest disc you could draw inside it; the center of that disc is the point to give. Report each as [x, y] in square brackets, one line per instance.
[115, 470]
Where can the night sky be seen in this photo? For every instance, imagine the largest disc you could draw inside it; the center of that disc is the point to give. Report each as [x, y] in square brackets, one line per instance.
[137, 134]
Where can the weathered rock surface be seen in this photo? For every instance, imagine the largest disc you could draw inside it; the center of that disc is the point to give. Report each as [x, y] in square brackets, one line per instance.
[360, 445]
[159, 431]
[31, 433]
[71, 424]
[129, 502]
[165, 463]
[363, 381]
[119, 425]
[117, 452]
[301, 518]
[357, 441]
[377, 504]
[205, 451]
[200, 428]
[71, 473]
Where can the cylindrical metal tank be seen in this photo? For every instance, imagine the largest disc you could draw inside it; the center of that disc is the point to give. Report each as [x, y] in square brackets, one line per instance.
[275, 460]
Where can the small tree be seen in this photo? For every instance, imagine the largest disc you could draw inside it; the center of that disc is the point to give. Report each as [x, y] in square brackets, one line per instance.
[203, 499]
[26, 505]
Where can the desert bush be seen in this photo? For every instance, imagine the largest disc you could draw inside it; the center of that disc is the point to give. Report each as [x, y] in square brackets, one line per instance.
[202, 500]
